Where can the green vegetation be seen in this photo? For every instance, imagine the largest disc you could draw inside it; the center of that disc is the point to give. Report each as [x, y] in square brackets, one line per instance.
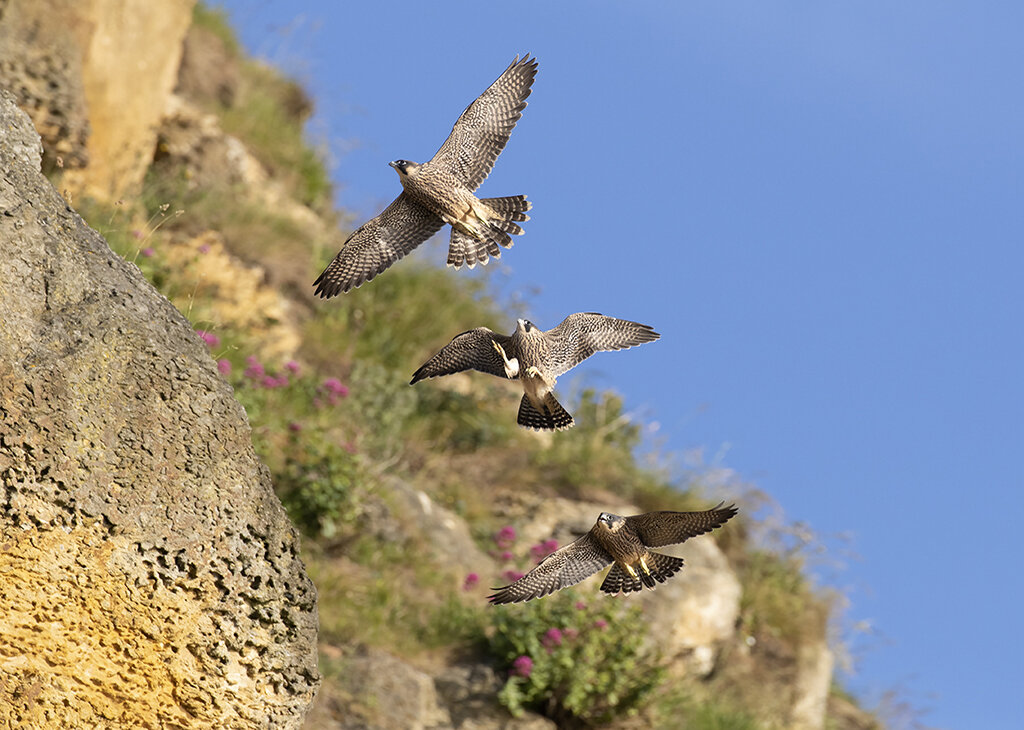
[576, 662]
[777, 599]
[216, 21]
[334, 419]
[268, 117]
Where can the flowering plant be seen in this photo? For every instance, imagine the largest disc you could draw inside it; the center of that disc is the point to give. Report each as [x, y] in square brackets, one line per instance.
[574, 661]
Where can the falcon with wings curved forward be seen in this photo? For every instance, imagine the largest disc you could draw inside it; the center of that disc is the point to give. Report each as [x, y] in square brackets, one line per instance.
[441, 191]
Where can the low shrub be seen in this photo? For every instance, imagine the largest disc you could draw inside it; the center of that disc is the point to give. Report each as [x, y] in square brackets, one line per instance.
[576, 661]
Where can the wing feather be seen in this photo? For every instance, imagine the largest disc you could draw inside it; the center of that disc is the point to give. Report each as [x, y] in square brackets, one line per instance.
[582, 334]
[471, 350]
[657, 529]
[377, 244]
[563, 568]
[483, 129]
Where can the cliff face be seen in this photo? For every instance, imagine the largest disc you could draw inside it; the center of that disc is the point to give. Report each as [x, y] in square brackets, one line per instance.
[150, 575]
[95, 76]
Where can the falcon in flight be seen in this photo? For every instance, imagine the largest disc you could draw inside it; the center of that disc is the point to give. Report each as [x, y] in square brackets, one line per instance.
[441, 190]
[622, 542]
[536, 359]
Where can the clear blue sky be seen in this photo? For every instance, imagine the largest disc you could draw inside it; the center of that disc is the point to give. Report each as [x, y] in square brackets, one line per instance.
[821, 208]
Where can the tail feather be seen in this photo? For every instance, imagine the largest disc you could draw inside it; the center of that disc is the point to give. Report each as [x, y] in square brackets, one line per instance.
[513, 207]
[464, 249]
[497, 234]
[619, 581]
[457, 249]
[662, 568]
[551, 417]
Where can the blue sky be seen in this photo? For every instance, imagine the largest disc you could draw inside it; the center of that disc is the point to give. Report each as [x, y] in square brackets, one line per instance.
[818, 205]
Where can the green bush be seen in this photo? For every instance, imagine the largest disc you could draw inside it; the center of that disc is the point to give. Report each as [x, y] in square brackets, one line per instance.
[573, 661]
[319, 486]
[777, 599]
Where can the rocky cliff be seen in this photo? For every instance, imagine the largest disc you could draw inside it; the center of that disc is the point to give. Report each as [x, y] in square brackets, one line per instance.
[150, 576]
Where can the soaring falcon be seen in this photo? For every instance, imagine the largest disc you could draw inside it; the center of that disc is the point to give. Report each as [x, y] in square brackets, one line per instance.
[441, 191]
[624, 543]
[536, 359]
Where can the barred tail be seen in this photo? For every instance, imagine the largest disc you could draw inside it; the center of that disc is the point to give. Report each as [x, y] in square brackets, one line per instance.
[662, 567]
[512, 208]
[464, 249]
[551, 416]
[497, 234]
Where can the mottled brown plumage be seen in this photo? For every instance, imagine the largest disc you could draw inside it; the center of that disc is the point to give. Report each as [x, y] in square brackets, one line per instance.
[624, 543]
[536, 358]
[441, 191]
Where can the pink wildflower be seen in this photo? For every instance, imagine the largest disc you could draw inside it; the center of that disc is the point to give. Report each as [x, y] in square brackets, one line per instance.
[471, 581]
[255, 369]
[137, 235]
[543, 549]
[209, 338]
[506, 556]
[205, 248]
[334, 390]
[522, 666]
[512, 575]
[147, 252]
[505, 537]
[552, 638]
[580, 605]
[570, 633]
[294, 426]
[224, 366]
[600, 624]
[292, 367]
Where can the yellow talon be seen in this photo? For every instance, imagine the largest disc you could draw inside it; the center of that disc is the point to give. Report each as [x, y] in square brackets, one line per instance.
[632, 572]
[643, 566]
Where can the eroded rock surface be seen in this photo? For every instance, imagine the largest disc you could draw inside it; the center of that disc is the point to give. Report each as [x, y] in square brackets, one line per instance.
[150, 576]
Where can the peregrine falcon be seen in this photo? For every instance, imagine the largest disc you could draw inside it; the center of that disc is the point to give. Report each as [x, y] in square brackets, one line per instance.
[623, 542]
[536, 358]
[441, 190]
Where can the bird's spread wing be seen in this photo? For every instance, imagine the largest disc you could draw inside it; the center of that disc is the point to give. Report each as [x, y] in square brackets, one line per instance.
[563, 568]
[657, 529]
[377, 244]
[480, 134]
[472, 350]
[582, 334]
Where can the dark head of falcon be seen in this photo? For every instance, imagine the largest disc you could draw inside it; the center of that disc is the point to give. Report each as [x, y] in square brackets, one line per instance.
[404, 167]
